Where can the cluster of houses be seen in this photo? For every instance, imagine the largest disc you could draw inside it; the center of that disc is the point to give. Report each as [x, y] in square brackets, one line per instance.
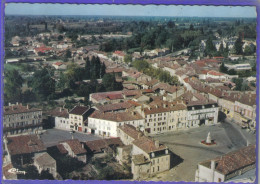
[228, 43]
[125, 119]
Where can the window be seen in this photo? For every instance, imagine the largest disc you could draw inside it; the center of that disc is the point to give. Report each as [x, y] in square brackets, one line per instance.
[158, 168]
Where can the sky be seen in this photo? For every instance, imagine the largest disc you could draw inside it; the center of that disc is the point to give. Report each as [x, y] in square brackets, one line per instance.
[129, 10]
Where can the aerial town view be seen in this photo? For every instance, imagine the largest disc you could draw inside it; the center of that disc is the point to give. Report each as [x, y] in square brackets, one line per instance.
[129, 92]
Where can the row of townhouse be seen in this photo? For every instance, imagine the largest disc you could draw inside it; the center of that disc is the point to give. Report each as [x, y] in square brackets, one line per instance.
[236, 105]
[19, 119]
[157, 117]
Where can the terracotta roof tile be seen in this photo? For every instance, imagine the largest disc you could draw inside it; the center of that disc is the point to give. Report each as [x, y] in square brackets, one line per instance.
[75, 146]
[16, 109]
[97, 146]
[130, 131]
[235, 160]
[116, 116]
[25, 144]
[115, 106]
[79, 110]
[58, 112]
[147, 144]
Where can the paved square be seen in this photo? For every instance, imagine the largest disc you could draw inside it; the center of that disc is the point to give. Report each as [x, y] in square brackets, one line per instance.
[53, 136]
[186, 144]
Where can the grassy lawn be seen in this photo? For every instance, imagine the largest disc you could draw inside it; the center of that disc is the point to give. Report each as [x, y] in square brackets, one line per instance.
[11, 67]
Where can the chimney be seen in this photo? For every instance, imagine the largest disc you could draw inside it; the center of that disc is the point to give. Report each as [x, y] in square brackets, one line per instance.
[17, 103]
[213, 165]
[156, 144]
[9, 104]
[60, 109]
[139, 135]
[82, 145]
[164, 105]
[156, 106]
[27, 106]
[133, 113]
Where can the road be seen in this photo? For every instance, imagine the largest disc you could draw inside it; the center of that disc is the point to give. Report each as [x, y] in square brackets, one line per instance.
[186, 144]
[53, 136]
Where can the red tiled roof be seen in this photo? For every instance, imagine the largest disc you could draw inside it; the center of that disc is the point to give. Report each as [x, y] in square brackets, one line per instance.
[116, 116]
[16, 109]
[235, 160]
[25, 144]
[131, 92]
[248, 99]
[130, 131]
[61, 149]
[75, 146]
[58, 112]
[114, 96]
[186, 79]
[115, 106]
[97, 146]
[104, 95]
[215, 73]
[58, 63]
[120, 53]
[42, 49]
[79, 110]
[148, 145]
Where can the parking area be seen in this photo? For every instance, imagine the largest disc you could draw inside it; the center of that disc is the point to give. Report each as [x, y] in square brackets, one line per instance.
[186, 144]
[52, 137]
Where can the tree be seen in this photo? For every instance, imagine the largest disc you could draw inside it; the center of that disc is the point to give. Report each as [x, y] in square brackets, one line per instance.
[87, 69]
[210, 47]
[238, 82]
[222, 68]
[191, 27]
[12, 89]
[238, 46]
[128, 58]
[45, 175]
[103, 70]
[43, 85]
[232, 72]
[140, 65]
[248, 51]
[110, 84]
[221, 48]
[170, 24]
[68, 54]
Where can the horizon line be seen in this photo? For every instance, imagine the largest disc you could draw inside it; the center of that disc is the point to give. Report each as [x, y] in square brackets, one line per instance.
[123, 15]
